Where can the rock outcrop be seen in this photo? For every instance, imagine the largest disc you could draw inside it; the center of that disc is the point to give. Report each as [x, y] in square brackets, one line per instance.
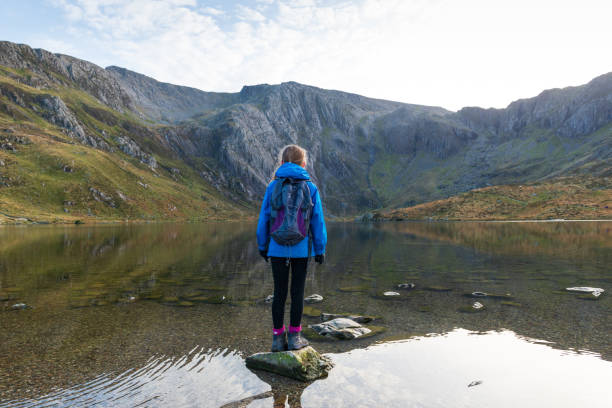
[58, 69]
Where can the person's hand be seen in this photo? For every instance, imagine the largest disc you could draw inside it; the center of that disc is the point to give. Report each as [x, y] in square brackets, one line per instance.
[320, 259]
[264, 254]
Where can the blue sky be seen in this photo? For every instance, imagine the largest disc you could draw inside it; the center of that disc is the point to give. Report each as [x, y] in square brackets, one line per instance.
[434, 52]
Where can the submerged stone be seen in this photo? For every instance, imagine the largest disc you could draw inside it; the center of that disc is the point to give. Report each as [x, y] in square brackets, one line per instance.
[315, 298]
[406, 286]
[304, 365]
[475, 307]
[311, 311]
[436, 288]
[358, 288]
[340, 328]
[590, 296]
[506, 296]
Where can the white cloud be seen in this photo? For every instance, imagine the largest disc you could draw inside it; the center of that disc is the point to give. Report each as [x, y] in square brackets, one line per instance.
[213, 11]
[442, 52]
[249, 14]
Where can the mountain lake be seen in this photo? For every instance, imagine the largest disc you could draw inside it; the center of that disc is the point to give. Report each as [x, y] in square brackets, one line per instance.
[164, 315]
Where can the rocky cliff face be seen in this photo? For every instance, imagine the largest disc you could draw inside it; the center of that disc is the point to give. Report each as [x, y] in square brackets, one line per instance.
[65, 70]
[168, 103]
[364, 153]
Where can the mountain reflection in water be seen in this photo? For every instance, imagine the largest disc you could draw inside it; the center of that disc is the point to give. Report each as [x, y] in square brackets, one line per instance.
[163, 315]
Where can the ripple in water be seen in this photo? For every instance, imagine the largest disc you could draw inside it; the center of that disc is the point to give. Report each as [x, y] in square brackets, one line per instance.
[200, 378]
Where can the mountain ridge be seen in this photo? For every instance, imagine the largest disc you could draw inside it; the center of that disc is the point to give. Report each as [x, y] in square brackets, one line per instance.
[365, 153]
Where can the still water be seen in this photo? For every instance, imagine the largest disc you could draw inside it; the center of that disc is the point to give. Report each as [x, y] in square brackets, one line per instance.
[163, 315]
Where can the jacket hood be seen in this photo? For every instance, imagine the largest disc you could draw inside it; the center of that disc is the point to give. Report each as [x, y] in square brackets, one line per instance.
[293, 171]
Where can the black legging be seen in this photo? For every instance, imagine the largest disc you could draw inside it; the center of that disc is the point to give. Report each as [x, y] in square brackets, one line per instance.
[280, 270]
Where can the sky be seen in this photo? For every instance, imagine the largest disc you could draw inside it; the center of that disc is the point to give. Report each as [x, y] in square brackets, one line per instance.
[447, 53]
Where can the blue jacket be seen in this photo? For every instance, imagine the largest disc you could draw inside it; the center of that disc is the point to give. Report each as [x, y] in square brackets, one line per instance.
[317, 222]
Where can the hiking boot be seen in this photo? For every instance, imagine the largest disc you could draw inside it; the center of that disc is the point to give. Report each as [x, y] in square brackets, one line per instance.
[296, 341]
[279, 342]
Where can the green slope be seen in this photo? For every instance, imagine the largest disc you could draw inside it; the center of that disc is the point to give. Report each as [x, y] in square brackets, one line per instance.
[48, 176]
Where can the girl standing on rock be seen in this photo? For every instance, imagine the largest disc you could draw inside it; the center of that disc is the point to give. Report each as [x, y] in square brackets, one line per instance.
[291, 228]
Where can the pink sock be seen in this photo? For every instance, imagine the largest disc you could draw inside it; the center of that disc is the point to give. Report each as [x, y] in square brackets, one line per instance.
[276, 332]
[295, 329]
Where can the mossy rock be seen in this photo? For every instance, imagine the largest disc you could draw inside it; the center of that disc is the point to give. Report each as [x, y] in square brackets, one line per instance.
[193, 293]
[356, 288]
[185, 303]
[367, 278]
[170, 299]
[213, 288]
[561, 292]
[436, 288]
[303, 365]
[312, 335]
[375, 330]
[152, 296]
[311, 311]
[13, 290]
[203, 299]
[242, 303]
[588, 297]
[511, 304]
[217, 300]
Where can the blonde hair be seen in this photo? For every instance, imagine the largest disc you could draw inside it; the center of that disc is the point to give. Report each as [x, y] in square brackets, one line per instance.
[293, 154]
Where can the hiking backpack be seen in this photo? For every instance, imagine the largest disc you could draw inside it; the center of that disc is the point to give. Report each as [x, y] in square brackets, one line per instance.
[291, 209]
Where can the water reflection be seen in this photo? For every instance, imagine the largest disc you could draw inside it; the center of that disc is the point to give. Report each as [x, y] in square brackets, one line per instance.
[457, 369]
[105, 299]
[436, 371]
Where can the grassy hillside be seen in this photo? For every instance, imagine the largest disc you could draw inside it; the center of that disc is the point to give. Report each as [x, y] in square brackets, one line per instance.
[48, 176]
[571, 198]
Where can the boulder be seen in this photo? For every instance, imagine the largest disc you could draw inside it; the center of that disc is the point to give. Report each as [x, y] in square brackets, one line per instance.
[340, 328]
[356, 318]
[304, 365]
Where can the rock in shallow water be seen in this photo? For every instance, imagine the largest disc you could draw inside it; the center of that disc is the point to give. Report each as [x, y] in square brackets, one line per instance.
[585, 289]
[305, 364]
[313, 298]
[340, 328]
[20, 306]
[355, 318]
